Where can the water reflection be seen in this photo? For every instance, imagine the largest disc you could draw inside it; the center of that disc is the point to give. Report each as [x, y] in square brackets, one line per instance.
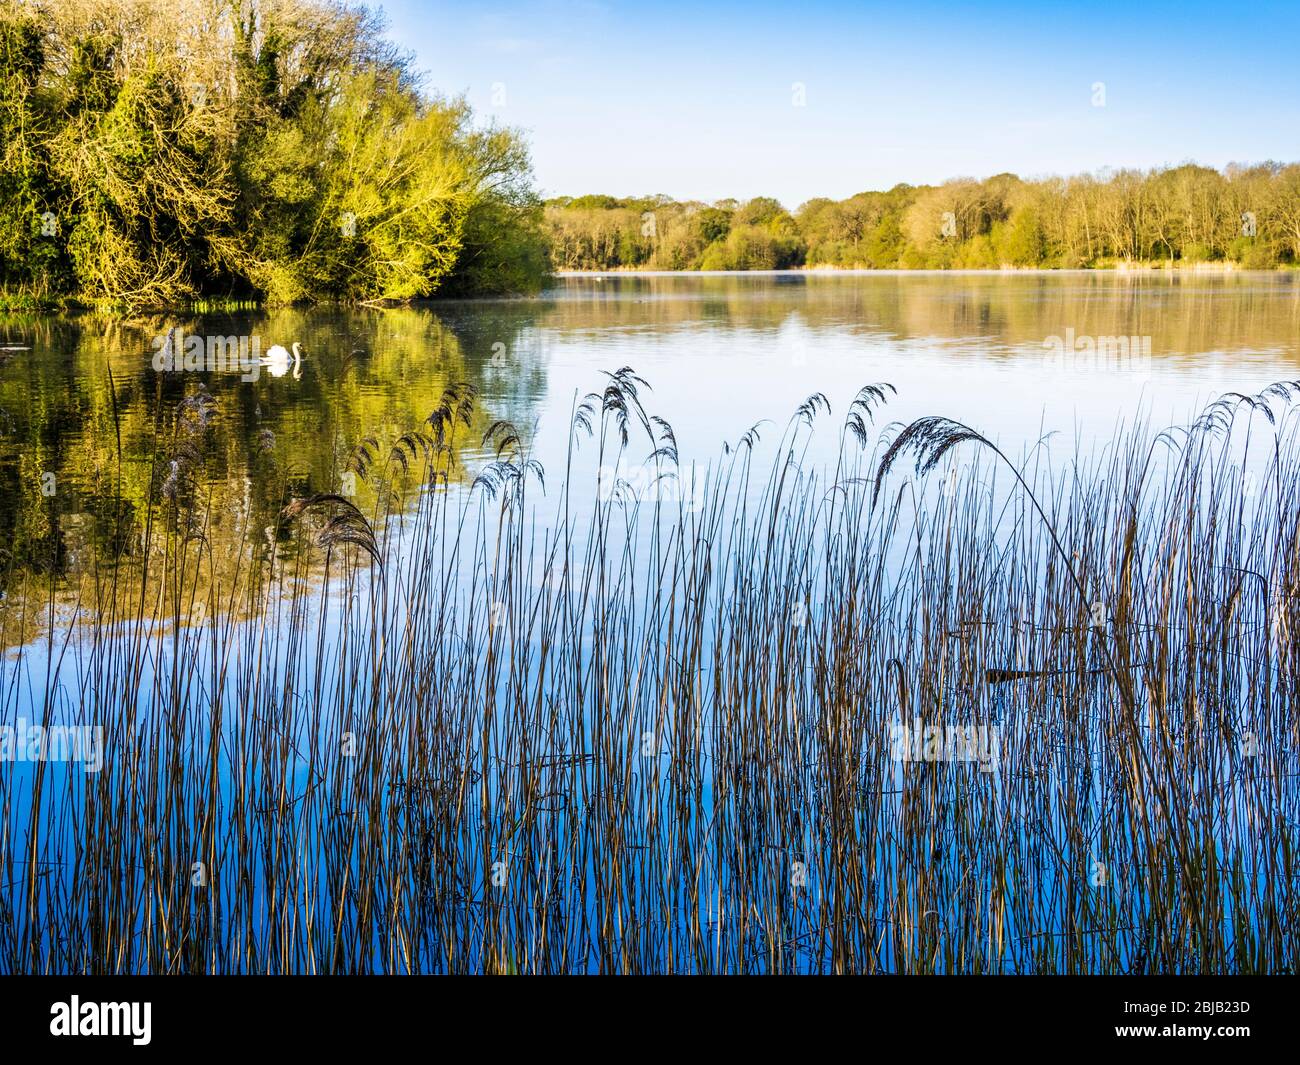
[88, 420]
[402, 769]
[89, 394]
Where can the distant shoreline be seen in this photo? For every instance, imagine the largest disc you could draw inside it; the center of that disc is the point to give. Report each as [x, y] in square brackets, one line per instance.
[1118, 268]
[26, 305]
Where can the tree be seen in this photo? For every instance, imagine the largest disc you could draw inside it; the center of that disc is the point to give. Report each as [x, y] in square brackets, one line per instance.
[1187, 213]
[279, 148]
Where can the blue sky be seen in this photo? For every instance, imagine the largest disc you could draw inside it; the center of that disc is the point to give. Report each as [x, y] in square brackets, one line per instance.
[701, 101]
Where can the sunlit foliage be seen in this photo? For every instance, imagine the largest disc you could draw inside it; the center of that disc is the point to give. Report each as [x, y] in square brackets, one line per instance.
[1247, 216]
[278, 149]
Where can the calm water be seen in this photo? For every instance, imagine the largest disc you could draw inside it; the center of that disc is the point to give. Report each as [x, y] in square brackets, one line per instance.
[721, 352]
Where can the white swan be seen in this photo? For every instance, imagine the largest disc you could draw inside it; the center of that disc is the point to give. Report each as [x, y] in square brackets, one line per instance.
[277, 360]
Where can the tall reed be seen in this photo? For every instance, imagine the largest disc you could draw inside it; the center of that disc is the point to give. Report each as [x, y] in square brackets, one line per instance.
[635, 728]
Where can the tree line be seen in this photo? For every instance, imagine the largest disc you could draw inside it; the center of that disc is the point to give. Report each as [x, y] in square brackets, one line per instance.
[280, 150]
[1246, 215]
[285, 151]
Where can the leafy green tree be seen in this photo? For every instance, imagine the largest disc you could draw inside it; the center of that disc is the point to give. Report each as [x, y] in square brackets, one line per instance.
[1246, 215]
[29, 258]
[272, 148]
[1021, 241]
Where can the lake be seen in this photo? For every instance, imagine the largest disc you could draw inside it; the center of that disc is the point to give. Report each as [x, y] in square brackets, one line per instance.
[721, 353]
[406, 655]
